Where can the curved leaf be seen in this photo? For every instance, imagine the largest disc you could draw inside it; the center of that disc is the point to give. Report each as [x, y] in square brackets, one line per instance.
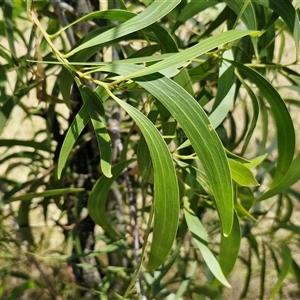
[291, 177]
[229, 248]
[283, 121]
[96, 110]
[241, 174]
[191, 9]
[166, 192]
[199, 131]
[226, 92]
[286, 11]
[79, 122]
[179, 59]
[200, 237]
[97, 199]
[286, 263]
[153, 13]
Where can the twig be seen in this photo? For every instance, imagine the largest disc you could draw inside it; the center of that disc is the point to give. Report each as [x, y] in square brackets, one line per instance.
[60, 8]
[114, 129]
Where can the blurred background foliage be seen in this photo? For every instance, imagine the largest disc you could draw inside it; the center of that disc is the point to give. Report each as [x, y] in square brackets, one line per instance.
[54, 193]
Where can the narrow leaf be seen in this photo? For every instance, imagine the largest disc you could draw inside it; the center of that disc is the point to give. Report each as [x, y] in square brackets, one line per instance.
[72, 135]
[286, 263]
[166, 192]
[241, 174]
[98, 196]
[191, 9]
[157, 10]
[229, 248]
[199, 131]
[288, 13]
[291, 177]
[200, 238]
[226, 92]
[96, 111]
[180, 59]
[48, 193]
[283, 121]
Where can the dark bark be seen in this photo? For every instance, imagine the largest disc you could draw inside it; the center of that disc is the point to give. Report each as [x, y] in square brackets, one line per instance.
[83, 173]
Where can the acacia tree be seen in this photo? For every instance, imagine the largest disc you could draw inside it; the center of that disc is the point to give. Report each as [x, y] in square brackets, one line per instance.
[179, 144]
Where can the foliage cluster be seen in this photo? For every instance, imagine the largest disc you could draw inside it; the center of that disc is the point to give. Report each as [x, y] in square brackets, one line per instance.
[182, 149]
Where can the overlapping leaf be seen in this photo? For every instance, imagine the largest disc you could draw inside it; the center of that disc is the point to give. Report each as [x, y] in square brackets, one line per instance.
[291, 177]
[72, 135]
[180, 59]
[200, 132]
[200, 237]
[166, 192]
[153, 13]
[96, 111]
[283, 121]
[288, 13]
[98, 197]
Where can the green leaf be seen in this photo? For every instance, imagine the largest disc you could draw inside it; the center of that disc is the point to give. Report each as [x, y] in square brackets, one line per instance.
[166, 192]
[184, 80]
[144, 163]
[191, 9]
[157, 10]
[229, 248]
[286, 263]
[255, 113]
[288, 13]
[283, 121]
[241, 174]
[226, 92]
[241, 211]
[291, 177]
[245, 10]
[180, 59]
[8, 18]
[48, 193]
[98, 196]
[185, 283]
[21, 288]
[296, 271]
[74, 131]
[199, 131]
[200, 237]
[96, 111]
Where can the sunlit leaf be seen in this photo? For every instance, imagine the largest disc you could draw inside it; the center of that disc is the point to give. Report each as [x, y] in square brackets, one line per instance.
[200, 237]
[241, 174]
[153, 13]
[181, 58]
[96, 111]
[200, 132]
[283, 121]
[166, 192]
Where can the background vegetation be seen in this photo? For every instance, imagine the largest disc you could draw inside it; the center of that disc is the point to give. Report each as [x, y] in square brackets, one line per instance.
[149, 150]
